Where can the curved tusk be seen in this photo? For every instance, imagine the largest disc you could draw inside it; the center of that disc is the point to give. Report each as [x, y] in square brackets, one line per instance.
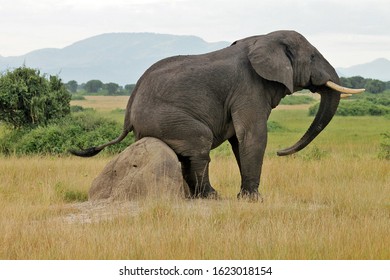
[343, 89]
[345, 95]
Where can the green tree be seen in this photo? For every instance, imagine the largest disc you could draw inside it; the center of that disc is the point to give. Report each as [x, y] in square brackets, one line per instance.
[346, 82]
[93, 86]
[28, 98]
[129, 88]
[112, 88]
[72, 86]
[357, 82]
[375, 86]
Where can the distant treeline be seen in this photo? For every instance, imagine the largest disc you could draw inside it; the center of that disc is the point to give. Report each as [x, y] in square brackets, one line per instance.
[371, 85]
[97, 87]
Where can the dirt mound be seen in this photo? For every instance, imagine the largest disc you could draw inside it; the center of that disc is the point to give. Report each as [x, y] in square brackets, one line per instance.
[146, 168]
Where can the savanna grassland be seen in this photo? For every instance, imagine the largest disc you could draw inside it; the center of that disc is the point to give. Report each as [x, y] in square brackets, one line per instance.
[329, 201]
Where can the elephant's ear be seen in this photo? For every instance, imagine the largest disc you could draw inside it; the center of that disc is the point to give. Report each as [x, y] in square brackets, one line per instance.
[270, 61]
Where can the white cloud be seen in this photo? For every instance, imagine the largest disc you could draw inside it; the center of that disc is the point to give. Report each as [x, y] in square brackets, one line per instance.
[345, 50]
[345, 31]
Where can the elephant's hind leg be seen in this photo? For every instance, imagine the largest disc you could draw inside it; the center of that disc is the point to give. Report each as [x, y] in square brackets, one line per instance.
[192, 142]
[196, 173]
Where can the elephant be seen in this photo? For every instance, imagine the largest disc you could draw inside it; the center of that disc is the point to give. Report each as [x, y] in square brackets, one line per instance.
[194, 103]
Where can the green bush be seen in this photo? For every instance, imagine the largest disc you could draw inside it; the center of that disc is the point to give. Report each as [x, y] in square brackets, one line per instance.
[369, 106]
[76, 108]
[78, 97]
[297, 100]
[30, 99]
[385, 147]
[9, 139]
[80, 130]
[273, 126]
[314, 109]
[353, 108]
[380, 100]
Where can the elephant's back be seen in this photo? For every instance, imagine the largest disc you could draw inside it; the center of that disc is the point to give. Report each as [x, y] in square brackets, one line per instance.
[192, 85]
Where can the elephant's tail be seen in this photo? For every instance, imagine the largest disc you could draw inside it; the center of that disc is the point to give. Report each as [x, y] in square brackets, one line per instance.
[127, 127]
[90, 152]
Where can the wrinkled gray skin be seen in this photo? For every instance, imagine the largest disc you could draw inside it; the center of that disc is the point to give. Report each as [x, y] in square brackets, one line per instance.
[196, 102]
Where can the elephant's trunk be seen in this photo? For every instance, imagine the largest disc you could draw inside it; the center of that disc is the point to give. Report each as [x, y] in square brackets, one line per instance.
[329, 101]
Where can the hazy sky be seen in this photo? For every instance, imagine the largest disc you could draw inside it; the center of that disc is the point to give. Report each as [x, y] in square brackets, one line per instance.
[346, 32]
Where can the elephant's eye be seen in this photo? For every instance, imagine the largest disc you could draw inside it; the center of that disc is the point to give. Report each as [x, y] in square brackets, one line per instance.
[312, 57]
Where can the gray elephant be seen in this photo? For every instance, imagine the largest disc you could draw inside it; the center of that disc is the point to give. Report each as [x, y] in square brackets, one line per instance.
[194, 103]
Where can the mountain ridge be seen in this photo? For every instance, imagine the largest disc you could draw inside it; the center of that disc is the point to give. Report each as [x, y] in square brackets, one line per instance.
[123, 57]
[376, 69]
[110, 57]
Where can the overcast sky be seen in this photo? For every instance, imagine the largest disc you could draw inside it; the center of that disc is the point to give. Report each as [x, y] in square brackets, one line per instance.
[346, 32]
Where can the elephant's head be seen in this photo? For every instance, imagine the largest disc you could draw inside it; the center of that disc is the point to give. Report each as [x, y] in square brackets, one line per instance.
[288, 58]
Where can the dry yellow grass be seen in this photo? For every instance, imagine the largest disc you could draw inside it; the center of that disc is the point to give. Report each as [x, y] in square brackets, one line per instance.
[109, 103]
[334, 208]
[102, 103]
[330, 203]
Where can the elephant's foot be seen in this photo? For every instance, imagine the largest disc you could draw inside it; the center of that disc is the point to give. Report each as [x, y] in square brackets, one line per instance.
[211, 195]
[207, 192]
[251, 196]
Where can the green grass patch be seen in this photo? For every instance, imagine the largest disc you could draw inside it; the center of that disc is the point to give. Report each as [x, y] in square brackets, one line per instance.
[384, 152]
[344, 136]
[70, 195]
[365, 105]
[77, 97]
[297, 100]
[83, 129]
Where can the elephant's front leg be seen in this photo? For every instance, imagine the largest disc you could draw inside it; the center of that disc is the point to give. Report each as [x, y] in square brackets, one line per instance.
[251, 147]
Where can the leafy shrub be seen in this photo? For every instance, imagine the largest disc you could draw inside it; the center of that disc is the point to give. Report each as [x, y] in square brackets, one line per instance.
[42, 140]
[273, 126]
[9, 139]
[353, 108]
[297, 99]
[29, 99]
[314, 109]
[76, 108]
[370, 106]
[78, 97]
[385, 147]
[380, 100]
[80, 130]
[119, 111]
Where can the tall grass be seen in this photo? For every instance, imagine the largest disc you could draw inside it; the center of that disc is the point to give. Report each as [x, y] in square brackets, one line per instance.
[330, 201]
[314, 209]
[102, 103]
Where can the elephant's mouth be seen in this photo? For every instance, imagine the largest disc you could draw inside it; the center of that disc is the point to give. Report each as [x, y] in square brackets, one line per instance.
[330, 98]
